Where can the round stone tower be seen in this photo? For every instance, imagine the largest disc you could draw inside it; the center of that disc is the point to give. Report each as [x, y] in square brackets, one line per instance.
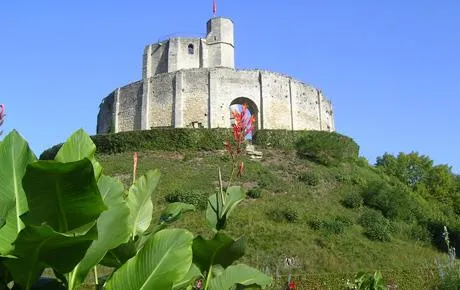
[221, 49]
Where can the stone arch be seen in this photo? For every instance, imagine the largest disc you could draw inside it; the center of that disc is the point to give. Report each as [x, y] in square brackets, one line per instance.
[251, 106]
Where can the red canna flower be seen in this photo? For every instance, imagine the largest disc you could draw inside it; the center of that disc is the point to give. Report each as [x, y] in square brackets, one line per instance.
[244, 124]
[291, 284]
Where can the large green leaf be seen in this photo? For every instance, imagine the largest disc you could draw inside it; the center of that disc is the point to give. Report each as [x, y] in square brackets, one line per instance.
[163, 261]
[64, 196]
[192, 274]
[239, 275]
[112, 228]
[15, 155]
[115, 258]
[38, 247]
[77, 147]
[174, 211]
[218, 212]
[221, 250]
[140, 202]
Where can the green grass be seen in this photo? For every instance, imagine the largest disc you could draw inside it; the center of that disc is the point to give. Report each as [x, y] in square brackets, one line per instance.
[319, 254]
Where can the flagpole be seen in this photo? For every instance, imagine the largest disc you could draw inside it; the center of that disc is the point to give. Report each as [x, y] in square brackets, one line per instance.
[214, 8]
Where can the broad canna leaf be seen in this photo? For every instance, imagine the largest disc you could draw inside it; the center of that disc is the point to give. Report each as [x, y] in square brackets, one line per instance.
[217, 212]
[41, 246]
[221, 250]
[163, 261]
[77, 147]
[112, 227]
[140, 202]
[174, 211]
[235, 194]
[64, 196]
[15, 155]
[117, 257]
[192, 274]
[239, 275]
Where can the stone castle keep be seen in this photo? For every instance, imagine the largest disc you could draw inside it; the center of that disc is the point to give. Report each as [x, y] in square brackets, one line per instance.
[192, 82]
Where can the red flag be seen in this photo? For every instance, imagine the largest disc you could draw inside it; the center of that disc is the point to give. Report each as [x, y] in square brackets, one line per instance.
[214, 8]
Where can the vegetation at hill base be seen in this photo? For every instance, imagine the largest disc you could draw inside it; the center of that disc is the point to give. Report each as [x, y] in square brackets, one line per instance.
[334, 218]
[311, 212]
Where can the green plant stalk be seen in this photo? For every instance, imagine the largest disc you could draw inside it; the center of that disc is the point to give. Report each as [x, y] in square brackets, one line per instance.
[222, 197]
[208, 278]
[96, 280]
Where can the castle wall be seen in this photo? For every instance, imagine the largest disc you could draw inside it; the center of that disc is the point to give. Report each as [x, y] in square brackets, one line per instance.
[105, 121]
[227, 85]
[276, 98]
[161, 100]
[327, 123]
[195, 95]
[155, 59]
[201, 97]
[188, 60]
[129, 106]
[305, 108]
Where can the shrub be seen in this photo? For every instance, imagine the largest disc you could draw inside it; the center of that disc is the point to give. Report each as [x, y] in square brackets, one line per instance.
[362, 162]
[255, 193]
[436, 230]
[448, 268]
[198, 198]
[420, 233]
[287, 214]
[168, 139]
[367, 281]
[339, 176]
[353, 200]
[282, 139]
[327, 148]
[336, 226]
[309, 178]
[344, 220]
[376, 226]
[395, 202]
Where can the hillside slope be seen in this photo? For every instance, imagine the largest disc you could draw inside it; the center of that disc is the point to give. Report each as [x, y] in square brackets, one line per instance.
[296, 210]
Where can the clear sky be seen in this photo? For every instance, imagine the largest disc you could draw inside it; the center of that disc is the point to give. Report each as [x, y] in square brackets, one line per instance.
[391, 68]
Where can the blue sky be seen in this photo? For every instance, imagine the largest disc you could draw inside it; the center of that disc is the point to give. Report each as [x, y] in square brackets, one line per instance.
[391, 68]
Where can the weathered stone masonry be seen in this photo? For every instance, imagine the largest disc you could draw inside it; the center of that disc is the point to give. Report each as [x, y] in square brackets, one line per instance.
[192, 83]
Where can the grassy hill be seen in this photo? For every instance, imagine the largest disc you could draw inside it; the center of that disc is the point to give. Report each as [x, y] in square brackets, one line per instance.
[296, 210]
[310, 199]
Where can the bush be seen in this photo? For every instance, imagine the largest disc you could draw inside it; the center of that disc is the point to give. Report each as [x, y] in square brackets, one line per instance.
[395, 202]
[436, 230]
[419, 233]
[309, 178]
[282, 139]
[336, 226]
[376, 226]
[254, 193]
[327, 148]
[353, 200]
[287, 214]
[168, 139]
[198, 198]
